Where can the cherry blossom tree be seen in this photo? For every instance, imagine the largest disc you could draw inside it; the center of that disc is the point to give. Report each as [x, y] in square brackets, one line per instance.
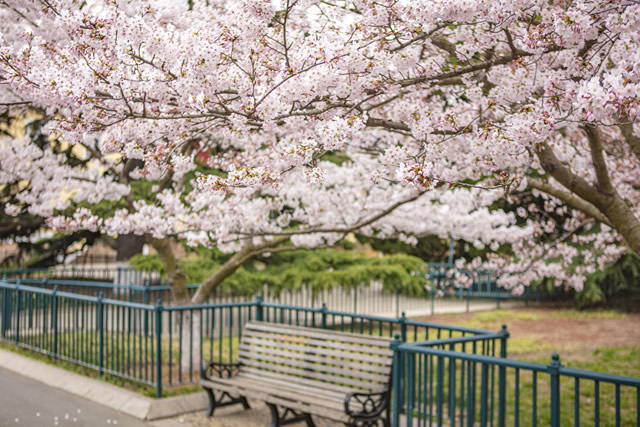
[500, 97]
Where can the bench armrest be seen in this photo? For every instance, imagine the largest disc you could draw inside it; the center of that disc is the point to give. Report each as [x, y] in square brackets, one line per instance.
[371, 405]
[222, 370]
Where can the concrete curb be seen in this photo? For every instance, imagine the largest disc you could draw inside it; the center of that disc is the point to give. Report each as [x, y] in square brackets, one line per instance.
[109, 395]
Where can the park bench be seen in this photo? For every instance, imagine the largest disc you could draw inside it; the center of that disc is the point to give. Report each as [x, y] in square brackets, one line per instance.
[299, 372]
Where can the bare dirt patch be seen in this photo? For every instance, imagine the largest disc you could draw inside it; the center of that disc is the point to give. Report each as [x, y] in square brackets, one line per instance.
[537, 332]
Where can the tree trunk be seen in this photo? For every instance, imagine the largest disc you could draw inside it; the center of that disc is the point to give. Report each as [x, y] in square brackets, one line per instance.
[603, 196]
[128, 245]
[186, 322]
[175, 274]
[623, 220]
[188, 325]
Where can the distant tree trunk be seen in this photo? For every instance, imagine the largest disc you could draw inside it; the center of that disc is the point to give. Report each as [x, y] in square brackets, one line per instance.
[185, 321]
[129, 245]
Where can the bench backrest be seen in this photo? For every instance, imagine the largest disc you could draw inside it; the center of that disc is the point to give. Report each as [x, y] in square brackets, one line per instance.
[338, 360]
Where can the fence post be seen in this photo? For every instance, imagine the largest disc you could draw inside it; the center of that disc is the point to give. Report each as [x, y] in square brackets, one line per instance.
[554, 368]
[259, 309]
[100, 326]
[503, 341]
[395, 379]
[403, 327]
[54, 319]
[502, 376]
[158, 310]
[324, 315]
[18, 304]
[5, 311]
[21, 273]
[7, 300]
[146, 292]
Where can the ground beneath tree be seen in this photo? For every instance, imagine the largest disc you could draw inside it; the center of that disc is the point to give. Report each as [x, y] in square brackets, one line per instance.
[537, 332]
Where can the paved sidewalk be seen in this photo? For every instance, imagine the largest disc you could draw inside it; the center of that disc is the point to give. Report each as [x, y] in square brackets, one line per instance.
[27, 402]
[116, 398]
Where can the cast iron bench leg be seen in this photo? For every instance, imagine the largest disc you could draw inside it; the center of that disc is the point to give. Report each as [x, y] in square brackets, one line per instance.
[217, 403]
[289, 416]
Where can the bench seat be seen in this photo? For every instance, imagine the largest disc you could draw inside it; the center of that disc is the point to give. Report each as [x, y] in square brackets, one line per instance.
[299, 372]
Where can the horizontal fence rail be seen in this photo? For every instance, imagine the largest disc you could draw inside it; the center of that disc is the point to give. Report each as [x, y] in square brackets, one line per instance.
[166, 345]
[446, 385]
[443, 375]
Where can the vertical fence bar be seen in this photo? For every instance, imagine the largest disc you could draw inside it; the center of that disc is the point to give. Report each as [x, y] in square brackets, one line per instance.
[396, 389]
[576, 402]
[452, 387]
[553, 369]
[54, 319]
[502, 378]
[158, 310]
[410, 375]
[100, 327]
[440, 390]
[16, 335]
[324, 315]
[5, 311]
[259, 309]
[484, 394]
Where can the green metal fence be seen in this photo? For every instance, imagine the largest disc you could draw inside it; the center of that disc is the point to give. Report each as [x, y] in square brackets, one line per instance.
[445, 385]
[443, 375]
[166, 345]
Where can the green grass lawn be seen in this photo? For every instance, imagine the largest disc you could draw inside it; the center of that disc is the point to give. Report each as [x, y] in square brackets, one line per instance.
[603, 341]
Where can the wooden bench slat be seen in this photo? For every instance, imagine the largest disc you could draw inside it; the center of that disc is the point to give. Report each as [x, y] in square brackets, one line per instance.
[354, 365]
[321, 351]
[291, 399]
[277, 386]
[317, 387]
[338, 345]
[295, 371]
[290, 391]
[322, 334]
[310, 365]
[298, 380]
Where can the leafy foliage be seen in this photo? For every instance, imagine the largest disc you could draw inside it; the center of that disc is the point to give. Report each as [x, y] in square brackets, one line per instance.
[619, 279]
[320, 269]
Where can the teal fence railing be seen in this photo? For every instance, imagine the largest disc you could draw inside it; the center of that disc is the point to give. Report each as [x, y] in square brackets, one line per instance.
[166, 345]
[443, 375]
[446, 385]
[86, 273]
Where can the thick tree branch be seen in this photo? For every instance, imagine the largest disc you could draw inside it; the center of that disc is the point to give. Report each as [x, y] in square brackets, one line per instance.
[597, 158]
[570, 199]
[248, 251]
[632, 140]
[574, 183]
[484, 65]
